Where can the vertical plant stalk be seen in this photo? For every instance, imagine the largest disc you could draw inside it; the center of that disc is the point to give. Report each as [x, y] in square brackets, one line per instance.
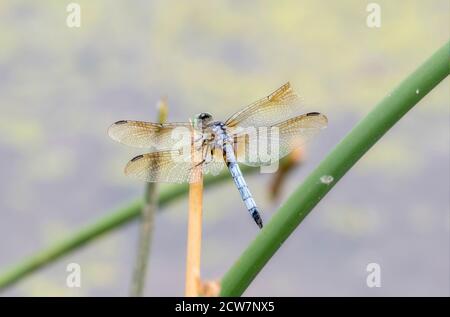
[147, 223]
[194, 239]
[145, 240]
[194, 235]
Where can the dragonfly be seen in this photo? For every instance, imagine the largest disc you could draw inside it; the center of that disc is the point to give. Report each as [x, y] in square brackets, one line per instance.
[184, 151]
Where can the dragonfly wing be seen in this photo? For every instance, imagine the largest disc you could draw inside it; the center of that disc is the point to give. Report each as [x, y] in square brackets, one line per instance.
[281, 104]
[261, 146]
[214, 162]
[163, 166]
[150, 135]
[176, 166]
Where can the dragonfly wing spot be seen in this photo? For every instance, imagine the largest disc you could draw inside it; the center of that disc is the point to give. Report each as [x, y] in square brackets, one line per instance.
[137, 158]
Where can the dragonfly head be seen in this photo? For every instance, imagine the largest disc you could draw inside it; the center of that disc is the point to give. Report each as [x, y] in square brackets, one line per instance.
[205, 118]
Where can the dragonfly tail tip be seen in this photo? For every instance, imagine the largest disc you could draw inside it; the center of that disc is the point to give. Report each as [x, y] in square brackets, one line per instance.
[257, 219]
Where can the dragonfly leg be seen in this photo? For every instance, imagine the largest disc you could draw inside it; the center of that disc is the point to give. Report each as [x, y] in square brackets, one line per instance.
[204, 152]
[198, 164]
[202, 145]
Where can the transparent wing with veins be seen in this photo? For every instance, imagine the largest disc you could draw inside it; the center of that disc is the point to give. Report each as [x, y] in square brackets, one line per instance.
[266, 122]
[175, 166]
[279, 139]
[283, 103]
[149, 135]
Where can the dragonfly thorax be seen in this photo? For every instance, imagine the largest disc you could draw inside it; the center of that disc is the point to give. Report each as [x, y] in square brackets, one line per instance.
[218, 129]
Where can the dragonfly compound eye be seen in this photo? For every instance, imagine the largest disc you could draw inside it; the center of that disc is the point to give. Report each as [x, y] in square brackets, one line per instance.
[204, 116]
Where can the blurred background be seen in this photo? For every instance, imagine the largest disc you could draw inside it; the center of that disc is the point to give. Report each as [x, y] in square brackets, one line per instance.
[61, 87]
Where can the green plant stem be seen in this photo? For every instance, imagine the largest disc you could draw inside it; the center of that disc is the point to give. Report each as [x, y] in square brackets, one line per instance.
[336, 164]
[109, 222]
